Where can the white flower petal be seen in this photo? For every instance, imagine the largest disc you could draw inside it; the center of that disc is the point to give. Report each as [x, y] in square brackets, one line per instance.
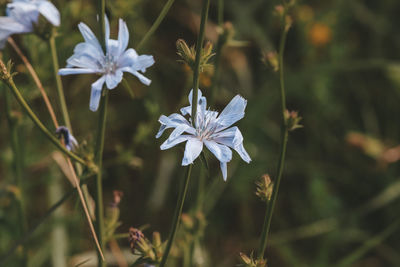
[68, 71]
[224, 170]
[50, 12]
[140, 76]
[89, 36]
[192, 151]
[221, 152]
[142, 62]
[174, 120]
[128, 58]
[107, 30]
[170, 143]
[233, 112]
[233, 138]
[180, 129]
[123, 37]
[112, 80]
[95, 94]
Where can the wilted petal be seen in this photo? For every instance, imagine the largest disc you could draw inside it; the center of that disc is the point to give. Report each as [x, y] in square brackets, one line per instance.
[221, 152]
[192, 151]
[113, 79]
[95, 94]
[170, 143]
[50, 12]
[233, 112]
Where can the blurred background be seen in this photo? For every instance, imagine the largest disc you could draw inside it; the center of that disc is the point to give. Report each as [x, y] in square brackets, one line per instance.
[339, 197]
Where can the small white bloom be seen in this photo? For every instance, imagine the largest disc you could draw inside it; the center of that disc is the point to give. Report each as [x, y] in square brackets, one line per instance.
[23, 14]
[211, 130]
[89, 57]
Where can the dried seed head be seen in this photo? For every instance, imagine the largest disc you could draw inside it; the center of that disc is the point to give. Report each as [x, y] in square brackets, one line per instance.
[251, 262]
[264, 188]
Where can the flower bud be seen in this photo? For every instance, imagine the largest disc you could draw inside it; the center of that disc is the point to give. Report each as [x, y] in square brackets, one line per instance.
[292, 120]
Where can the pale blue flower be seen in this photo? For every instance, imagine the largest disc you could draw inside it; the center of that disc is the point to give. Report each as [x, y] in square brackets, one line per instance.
[69, 140]
[23, 14]
[89, 57]
[212, 130]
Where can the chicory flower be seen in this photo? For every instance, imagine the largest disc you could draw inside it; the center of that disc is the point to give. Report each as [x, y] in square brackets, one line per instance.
[89, 57]
[212, 130]
[23, 14]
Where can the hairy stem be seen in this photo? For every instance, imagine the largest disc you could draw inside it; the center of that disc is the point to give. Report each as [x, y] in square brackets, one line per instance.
[284, 139]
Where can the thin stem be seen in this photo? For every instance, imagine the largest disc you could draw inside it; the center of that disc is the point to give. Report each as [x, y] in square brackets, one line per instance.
[156, 23]
[99, 161]
[196, 70]
[10, 83]
[284, 139]
[35, 79]
[220, 12]
[177, 215]
[18, 166]
[102, 11]
[60, 90]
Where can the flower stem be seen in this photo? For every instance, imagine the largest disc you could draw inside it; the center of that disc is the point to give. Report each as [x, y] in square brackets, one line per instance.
[10, 83]
[196, 69]
[60, 90]
[18, 166]
[102, 12]
[284, 139]
[36, 80]
[156, 23]
[177, 215]
[99, 161]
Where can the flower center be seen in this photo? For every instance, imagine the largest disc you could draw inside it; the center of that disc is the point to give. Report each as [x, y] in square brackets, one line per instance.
[205, 125]
[110, 65]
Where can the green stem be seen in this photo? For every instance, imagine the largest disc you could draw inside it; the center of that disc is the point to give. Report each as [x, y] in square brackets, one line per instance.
[196, 70]
[60, 90]
[284, 139]
[18, 166]
[177, 215]
[102, 11]
[220, 12]
[156, 23]
[98, 153]
[10, 83]
[99, 161]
